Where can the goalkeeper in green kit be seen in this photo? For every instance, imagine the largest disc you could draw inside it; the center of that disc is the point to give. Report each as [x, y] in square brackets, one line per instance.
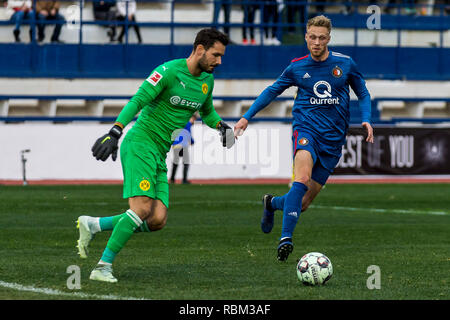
[167, 99]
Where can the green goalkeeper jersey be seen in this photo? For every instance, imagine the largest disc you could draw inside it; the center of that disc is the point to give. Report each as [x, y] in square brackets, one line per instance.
[167, 100]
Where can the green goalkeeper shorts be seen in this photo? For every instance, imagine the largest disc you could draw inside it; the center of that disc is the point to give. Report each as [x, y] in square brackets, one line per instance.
[144, 171]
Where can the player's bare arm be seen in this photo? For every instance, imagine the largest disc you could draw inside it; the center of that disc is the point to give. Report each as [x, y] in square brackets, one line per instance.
[369, 129]
[240, 127]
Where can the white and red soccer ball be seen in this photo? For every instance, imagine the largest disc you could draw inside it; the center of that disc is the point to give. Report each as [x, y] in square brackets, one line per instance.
[314, 268]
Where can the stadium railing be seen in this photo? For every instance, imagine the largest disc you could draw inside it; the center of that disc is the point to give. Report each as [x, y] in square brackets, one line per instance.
[99, 60]
[352, 14]
[95, 112]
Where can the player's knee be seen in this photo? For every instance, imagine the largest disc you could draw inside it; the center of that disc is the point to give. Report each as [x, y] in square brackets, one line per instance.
[142, 206]
[143, 212]
[305, 179]
[158, 219]
[157, 222]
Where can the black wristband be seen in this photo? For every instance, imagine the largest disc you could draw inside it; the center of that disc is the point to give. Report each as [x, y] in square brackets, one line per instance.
[116, 132]
[222, 126]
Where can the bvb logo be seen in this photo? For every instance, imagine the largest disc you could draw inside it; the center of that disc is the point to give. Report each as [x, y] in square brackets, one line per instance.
[204, 88]
[144, 185]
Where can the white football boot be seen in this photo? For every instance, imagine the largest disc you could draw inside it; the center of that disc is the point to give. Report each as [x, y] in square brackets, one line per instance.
[103, 272]
[85, 227]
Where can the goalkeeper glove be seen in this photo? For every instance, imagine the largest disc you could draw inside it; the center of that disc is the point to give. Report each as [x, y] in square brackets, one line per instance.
[107, 144]
[226, 134]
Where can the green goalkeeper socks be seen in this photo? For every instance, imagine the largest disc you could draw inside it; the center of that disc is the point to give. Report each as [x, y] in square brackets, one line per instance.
[108, 223]
[143, 228]
[122, 232]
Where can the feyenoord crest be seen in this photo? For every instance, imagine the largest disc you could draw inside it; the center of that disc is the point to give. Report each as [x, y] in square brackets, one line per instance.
[303, 141]
[337, 72]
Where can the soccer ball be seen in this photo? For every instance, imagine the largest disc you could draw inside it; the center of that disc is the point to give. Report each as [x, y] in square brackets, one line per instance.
[314, 268]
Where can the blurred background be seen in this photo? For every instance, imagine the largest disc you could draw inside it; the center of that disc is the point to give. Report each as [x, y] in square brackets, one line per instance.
[68, 67]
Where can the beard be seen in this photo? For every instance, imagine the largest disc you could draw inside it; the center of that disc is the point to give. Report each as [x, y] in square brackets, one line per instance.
[317, 54]
[204, 66]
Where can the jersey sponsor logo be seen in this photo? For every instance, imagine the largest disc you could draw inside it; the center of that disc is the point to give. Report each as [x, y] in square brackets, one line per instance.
[337, 72]
[322, 90]
[177, 101]
[306, 76]
[144, 185]
[204, 88]
[325, 93]
[183, 85]
[154, 78]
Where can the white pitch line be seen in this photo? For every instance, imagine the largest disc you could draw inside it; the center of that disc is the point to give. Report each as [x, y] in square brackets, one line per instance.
[410, 211]
[55, 292]
[216, 202]
[441, 213]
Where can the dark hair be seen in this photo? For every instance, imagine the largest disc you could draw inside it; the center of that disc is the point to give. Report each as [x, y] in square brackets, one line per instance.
[208, 37]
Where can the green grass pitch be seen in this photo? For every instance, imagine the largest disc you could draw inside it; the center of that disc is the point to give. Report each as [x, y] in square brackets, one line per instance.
[212, 246]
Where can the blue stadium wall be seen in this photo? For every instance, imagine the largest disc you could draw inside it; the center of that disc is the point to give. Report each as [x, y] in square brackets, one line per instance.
[245, 62]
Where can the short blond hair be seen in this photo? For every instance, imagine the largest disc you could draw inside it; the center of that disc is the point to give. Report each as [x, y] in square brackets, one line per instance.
[319, 21]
